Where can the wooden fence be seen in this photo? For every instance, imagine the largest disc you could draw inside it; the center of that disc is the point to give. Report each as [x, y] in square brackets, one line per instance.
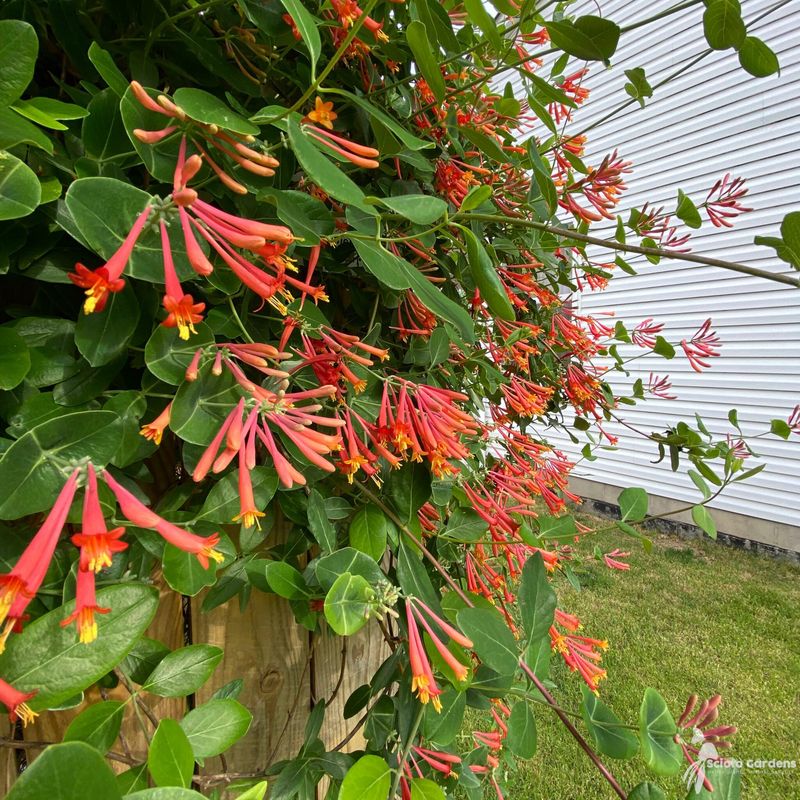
[285, 670]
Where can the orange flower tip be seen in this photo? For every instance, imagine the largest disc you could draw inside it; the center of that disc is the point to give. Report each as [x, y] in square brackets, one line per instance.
[149, 432]
[210, 552]
[249, 518]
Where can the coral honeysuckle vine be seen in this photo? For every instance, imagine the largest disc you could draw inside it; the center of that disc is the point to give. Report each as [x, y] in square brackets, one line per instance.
[308, 269]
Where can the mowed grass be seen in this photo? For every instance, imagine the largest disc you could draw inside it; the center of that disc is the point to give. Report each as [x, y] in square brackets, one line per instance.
[693, 616]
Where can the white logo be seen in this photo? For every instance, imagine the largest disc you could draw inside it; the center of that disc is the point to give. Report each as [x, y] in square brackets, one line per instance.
[695, 774]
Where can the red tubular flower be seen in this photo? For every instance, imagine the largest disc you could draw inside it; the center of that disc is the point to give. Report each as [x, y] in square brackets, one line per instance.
[17, 703]
[726, 205]
[659, 386]
[525, 398]
[704, 344]
[85, 608]
[458, 668]
[155, 430]
[644, 334]
[108, 278]
[422, 680]
[579, 652]
[443, 763]
[20, 585]
[612, 559]
[358, 154]
[97, 544]
[182, 311]
[139, 514]
[248, 513]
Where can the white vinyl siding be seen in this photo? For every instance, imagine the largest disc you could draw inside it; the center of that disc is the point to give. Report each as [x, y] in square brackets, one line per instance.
[712, 120]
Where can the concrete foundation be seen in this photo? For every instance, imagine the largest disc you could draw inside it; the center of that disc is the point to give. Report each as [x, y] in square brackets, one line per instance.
[750, 532]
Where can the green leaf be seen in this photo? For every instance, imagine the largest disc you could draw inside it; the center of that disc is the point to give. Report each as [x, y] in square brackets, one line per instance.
[222, 502]
[285, 580]
[537, 600]
[687, 211]
[169, 757]
[656, 733]
[49, 658]
[723, 25]
[557, 529]
[589, 38]
[368, 779]
[757, 58]
[664, 348]
[201, 406]
[426, 789]
[425, 56]
[638, 88]
[475, 197]
[183, 671]
[207, 108]
[419, 208]
[442, 728]
[780, 427]
[347, 604]
[633, 504]
[20, 190]
[165, 793]
[109, 71]
[319, 524]
[15, 130]
[493, 641]
[385, 266]
[167, 355]
[15, 358]
[413, 578]
[346, 559]
[607, 731]
[309, 219]
[31, 470]
[215, 725]
[186, 575]
[465, 525]
[368, 531]
[478, 15]
[646, 791]
[307, 25]
[522, 731]
[790, 231]
[47, 111]
[256, 792]
[103, 336]
[98, 725]
[436, 301]
[409, 488]
[486, 278]
[703, 519]
[143, 658]
[19, 47]
[320, 170]
[727, 783]
[68, 771]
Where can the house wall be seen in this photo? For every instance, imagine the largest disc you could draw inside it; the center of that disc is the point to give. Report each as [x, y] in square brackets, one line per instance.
[713, 119]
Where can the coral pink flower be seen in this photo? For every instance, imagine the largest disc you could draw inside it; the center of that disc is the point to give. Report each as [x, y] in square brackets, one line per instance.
[139, 514]
[182, 311]
[85, 608]
[97, 544]
[26, 576]
[17, 703]
[704, 344]
[108, 278]
[155, 430]
[612, 559]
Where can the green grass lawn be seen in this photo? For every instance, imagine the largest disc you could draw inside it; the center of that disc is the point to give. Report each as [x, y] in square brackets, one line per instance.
[691, 616]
